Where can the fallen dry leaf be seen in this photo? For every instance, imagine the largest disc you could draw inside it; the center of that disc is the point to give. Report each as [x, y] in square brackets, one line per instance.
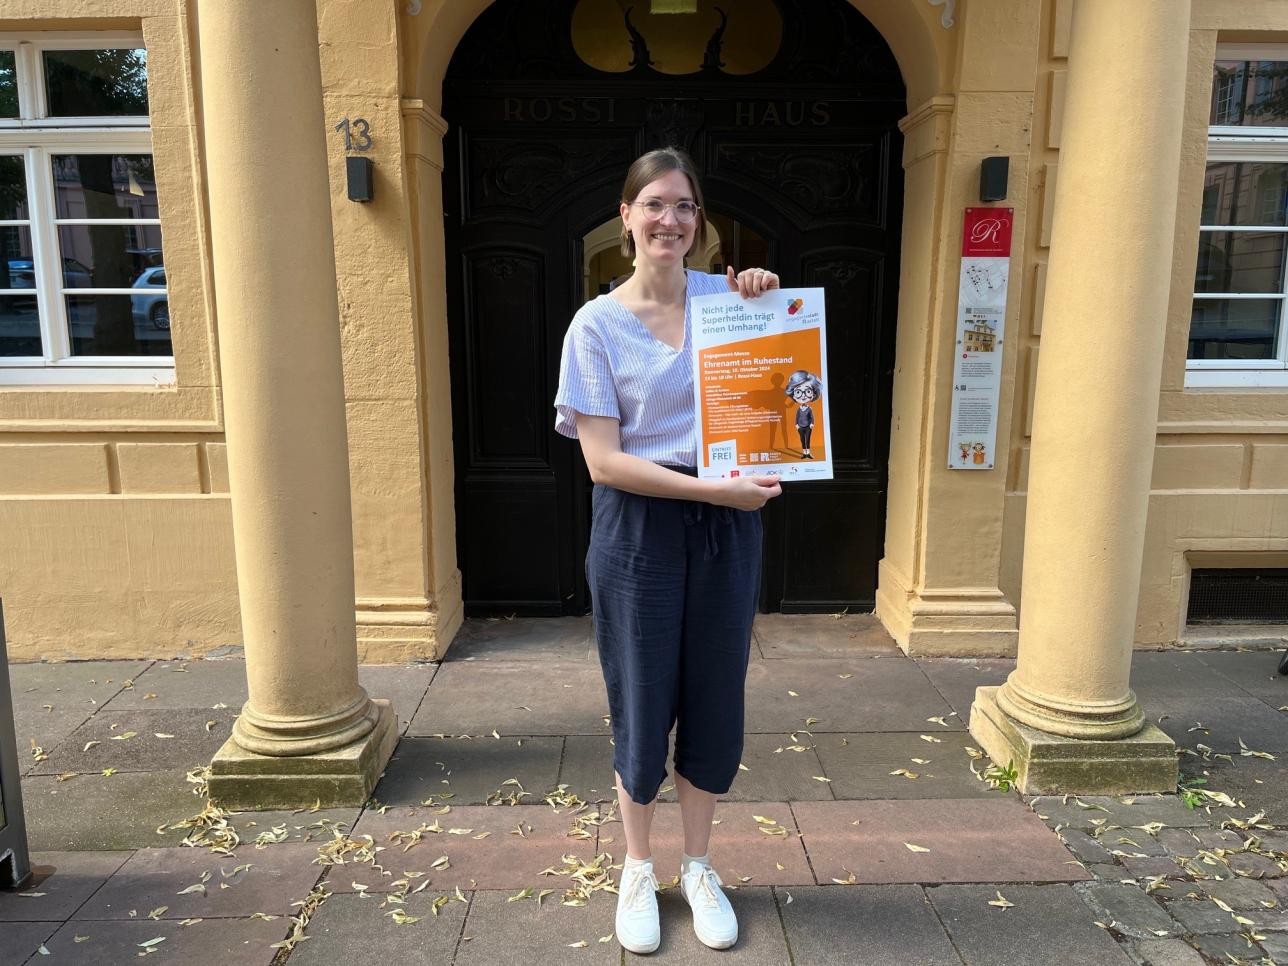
[1001, 902]
[1247, 752]
[914, 848]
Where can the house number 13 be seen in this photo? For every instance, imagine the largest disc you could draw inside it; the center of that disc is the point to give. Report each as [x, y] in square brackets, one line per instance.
[357, 134]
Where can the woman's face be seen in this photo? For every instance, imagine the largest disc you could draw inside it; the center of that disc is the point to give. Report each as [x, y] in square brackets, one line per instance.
[666, 239]
[803, 394]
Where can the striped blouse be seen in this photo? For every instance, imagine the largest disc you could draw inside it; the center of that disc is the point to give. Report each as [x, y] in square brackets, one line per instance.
[613, 366]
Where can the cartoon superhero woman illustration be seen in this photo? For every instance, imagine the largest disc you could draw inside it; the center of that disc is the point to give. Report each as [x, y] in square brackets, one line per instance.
[805, 388]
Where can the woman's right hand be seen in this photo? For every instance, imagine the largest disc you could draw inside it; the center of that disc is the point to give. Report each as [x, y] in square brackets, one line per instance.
[747, 492]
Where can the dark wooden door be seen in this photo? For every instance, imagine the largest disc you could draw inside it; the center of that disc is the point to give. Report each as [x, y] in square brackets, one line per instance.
[805, 151]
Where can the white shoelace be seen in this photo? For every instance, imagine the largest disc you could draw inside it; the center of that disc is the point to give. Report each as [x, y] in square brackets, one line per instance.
[638, 893]
[707, 887]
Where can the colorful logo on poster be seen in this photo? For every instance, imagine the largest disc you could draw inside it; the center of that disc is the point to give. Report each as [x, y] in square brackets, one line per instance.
[795, 305]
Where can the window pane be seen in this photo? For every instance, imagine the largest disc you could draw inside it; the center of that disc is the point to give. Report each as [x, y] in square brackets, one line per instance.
[19, 325]
[1235, 328]
[1241, 261]
[1245, 193]
[104, 186]
[13, 188]
[8, 84]
[96, 83]
[19, 313]
[1253, 93]
[107, 256]
[118, 325]
[18, 268]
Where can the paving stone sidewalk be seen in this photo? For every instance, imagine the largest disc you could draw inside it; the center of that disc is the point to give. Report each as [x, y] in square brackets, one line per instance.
[859, 832]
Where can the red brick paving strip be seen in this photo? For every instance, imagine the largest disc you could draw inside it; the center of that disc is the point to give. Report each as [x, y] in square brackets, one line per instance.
[969, 840]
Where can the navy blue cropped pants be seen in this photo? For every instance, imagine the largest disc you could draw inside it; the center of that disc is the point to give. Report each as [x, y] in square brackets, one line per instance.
[673, 585]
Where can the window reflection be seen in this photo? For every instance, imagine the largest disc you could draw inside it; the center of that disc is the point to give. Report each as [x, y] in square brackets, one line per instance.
[19, 311]
[8, 84]
[1251, 93]
[119, 325]
[1235, 328]
[13, 188]
[107, 256]
[97, 83]
[1245, 193]
[92, 188]
[1244, 261]
[105, 186]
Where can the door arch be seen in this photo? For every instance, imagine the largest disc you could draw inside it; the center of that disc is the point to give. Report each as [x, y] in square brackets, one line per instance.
[806, 150]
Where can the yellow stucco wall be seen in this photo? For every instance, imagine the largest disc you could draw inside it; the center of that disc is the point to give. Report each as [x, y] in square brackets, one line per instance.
[115, 535]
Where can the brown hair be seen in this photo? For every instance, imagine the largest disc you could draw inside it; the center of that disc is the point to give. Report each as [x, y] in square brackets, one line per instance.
[648, 169]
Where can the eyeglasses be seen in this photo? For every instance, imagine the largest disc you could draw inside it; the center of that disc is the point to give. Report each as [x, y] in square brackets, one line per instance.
[685, 211]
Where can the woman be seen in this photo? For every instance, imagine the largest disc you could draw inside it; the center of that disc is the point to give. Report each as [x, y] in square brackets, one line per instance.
[674, 561]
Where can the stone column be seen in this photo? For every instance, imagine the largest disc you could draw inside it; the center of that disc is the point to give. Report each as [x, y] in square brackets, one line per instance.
[1067, 716]
[309, 731]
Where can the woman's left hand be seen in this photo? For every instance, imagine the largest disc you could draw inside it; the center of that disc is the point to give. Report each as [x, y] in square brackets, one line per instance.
[751, 282]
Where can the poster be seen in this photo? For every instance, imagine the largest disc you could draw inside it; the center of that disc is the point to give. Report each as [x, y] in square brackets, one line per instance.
[760, 385]
[981, 317]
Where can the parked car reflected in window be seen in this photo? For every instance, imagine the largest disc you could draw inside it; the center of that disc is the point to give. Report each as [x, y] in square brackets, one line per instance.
[151, 306]
[22, 273]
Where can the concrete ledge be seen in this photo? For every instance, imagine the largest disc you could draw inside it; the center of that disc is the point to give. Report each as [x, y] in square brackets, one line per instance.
[243, 781]
[1050, 764]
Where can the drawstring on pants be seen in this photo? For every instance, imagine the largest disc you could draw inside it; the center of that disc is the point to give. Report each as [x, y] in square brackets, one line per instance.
[697, 514]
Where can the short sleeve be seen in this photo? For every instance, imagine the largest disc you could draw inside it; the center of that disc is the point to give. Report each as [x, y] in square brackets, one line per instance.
[585, 379]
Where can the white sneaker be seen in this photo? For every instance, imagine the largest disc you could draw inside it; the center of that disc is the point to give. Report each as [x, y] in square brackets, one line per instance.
[713, 918]
[637, 924]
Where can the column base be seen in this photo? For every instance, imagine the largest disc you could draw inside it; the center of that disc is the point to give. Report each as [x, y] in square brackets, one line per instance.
[396, 630]
[947, 622]
[241, 780]
[1048, 764]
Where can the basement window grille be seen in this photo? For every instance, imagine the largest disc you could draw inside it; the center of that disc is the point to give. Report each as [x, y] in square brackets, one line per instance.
[1238, 596]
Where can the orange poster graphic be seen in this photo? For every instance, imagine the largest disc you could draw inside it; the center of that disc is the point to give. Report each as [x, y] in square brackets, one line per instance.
[760, 381]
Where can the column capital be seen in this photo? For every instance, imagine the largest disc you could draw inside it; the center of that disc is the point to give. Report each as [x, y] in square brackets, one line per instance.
[927, 128]
[423, 132]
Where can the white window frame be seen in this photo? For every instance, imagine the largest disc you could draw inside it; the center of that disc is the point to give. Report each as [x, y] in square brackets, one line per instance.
[1246, 143]
[37, 139]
